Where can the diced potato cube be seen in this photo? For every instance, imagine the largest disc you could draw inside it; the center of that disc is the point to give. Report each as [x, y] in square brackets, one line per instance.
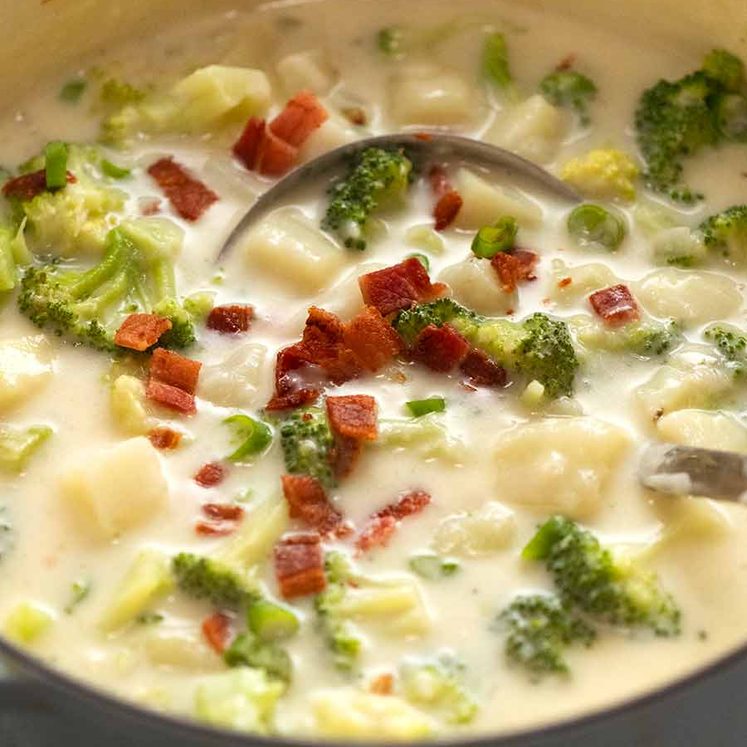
[233, 382]
[559, 464]
[27, 622]
[117, 489]
[482, 532]
[584, 280]
[686, 295]
[305, 71]
[332, 134]
[128, 405]
[483, 203]
[184, 651]
[292, 250]
[348, 714]
[215, 94]
[146, 581]
[533, 129]
[25, 366]
[424, 94]
[474, 283]
[703, 429]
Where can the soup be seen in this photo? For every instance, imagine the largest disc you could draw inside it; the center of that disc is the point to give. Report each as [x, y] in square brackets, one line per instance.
[373, 473]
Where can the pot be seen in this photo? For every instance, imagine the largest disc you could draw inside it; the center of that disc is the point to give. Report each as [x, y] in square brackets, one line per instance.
[42, 707]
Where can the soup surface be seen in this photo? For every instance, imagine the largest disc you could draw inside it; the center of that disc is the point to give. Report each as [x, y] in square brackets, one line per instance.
[315, 521]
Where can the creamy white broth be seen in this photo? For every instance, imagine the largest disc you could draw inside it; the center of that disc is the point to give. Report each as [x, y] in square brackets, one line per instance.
[704, 570]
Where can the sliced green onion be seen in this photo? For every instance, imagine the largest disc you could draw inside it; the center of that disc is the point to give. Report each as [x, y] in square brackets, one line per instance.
[270, 621]
[18, 445]
[500, 237]
[433, 567]
[73, 90]
[78, 592]
[389, 40]
[149, 618]
[248, 651]
[594, 226]
[422, 259]
[495, 60]
[112, 170]
[55, 164]
[252, 436]
[420, 407]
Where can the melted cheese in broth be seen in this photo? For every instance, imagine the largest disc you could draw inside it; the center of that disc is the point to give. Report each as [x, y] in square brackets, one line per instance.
[505, 461]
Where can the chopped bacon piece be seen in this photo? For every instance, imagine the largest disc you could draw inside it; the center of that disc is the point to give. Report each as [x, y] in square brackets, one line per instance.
[217, 631]
[353, 416]
[141, 331]
[290, 390]
[514, 267]
[383, 523]
[188, 195]
[355, 115]
[149, 205]
[323, 344]
[210, 474]
[164, 438]
[440, 348]
[223, 511]
[482, 371]
[446, 210]
[230, 319]
[215, 528]
[302, 115]
[373, 341]
[345, 454]
[27, 186]
[564, 282]
[382, 684]
[261, 150]
[398, 287]
[439, 180]
[171, 368]
[299, 565]
[615, 305]
[246, 148]
[308, 502]
[170, 396]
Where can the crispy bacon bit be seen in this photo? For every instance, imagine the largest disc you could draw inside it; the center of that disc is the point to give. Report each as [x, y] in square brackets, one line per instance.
[514, 267]
[215, 528]
[446, 210]
[27, 186]
[383, 523]
[217, 631]
[440, 348]
[439, 180]
[353, 416]
[210, 474]
[398, 287]
[149, 205]
[231, 319]
[382, 684]
[564, 282]
[425, 136]
[164, 438]
[246, 148]
[308, 502]
[223, 511]
[567, 62]
[299, 565]
[188, 196]
[171, 368]
[275, 156]
[171, 397]
[302, 115]
[482, 371]
[355, 115]
[323, 342]
[615, 305]
[141, 331]
[345, 454]
[290, 391]
[373, 341]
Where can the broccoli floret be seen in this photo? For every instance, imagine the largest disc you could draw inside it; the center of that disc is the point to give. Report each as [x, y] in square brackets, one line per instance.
[675, 119]
[646, 338]
[306, 441]
[74, 220]
[538, 348]
[726, 232]
[339, 633]
[135, 274]
[204, 578]
[571, 89]
[247, 650]
[377, 177]
[732, 344]
[13, 255]
[611, 589]
[436, 684]
[19, 444]
[539, 627]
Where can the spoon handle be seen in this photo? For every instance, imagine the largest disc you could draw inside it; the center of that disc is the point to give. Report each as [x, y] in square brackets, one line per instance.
[686, 470]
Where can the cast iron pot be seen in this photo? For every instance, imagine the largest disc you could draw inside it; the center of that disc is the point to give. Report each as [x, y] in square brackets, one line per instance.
[40, 707]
